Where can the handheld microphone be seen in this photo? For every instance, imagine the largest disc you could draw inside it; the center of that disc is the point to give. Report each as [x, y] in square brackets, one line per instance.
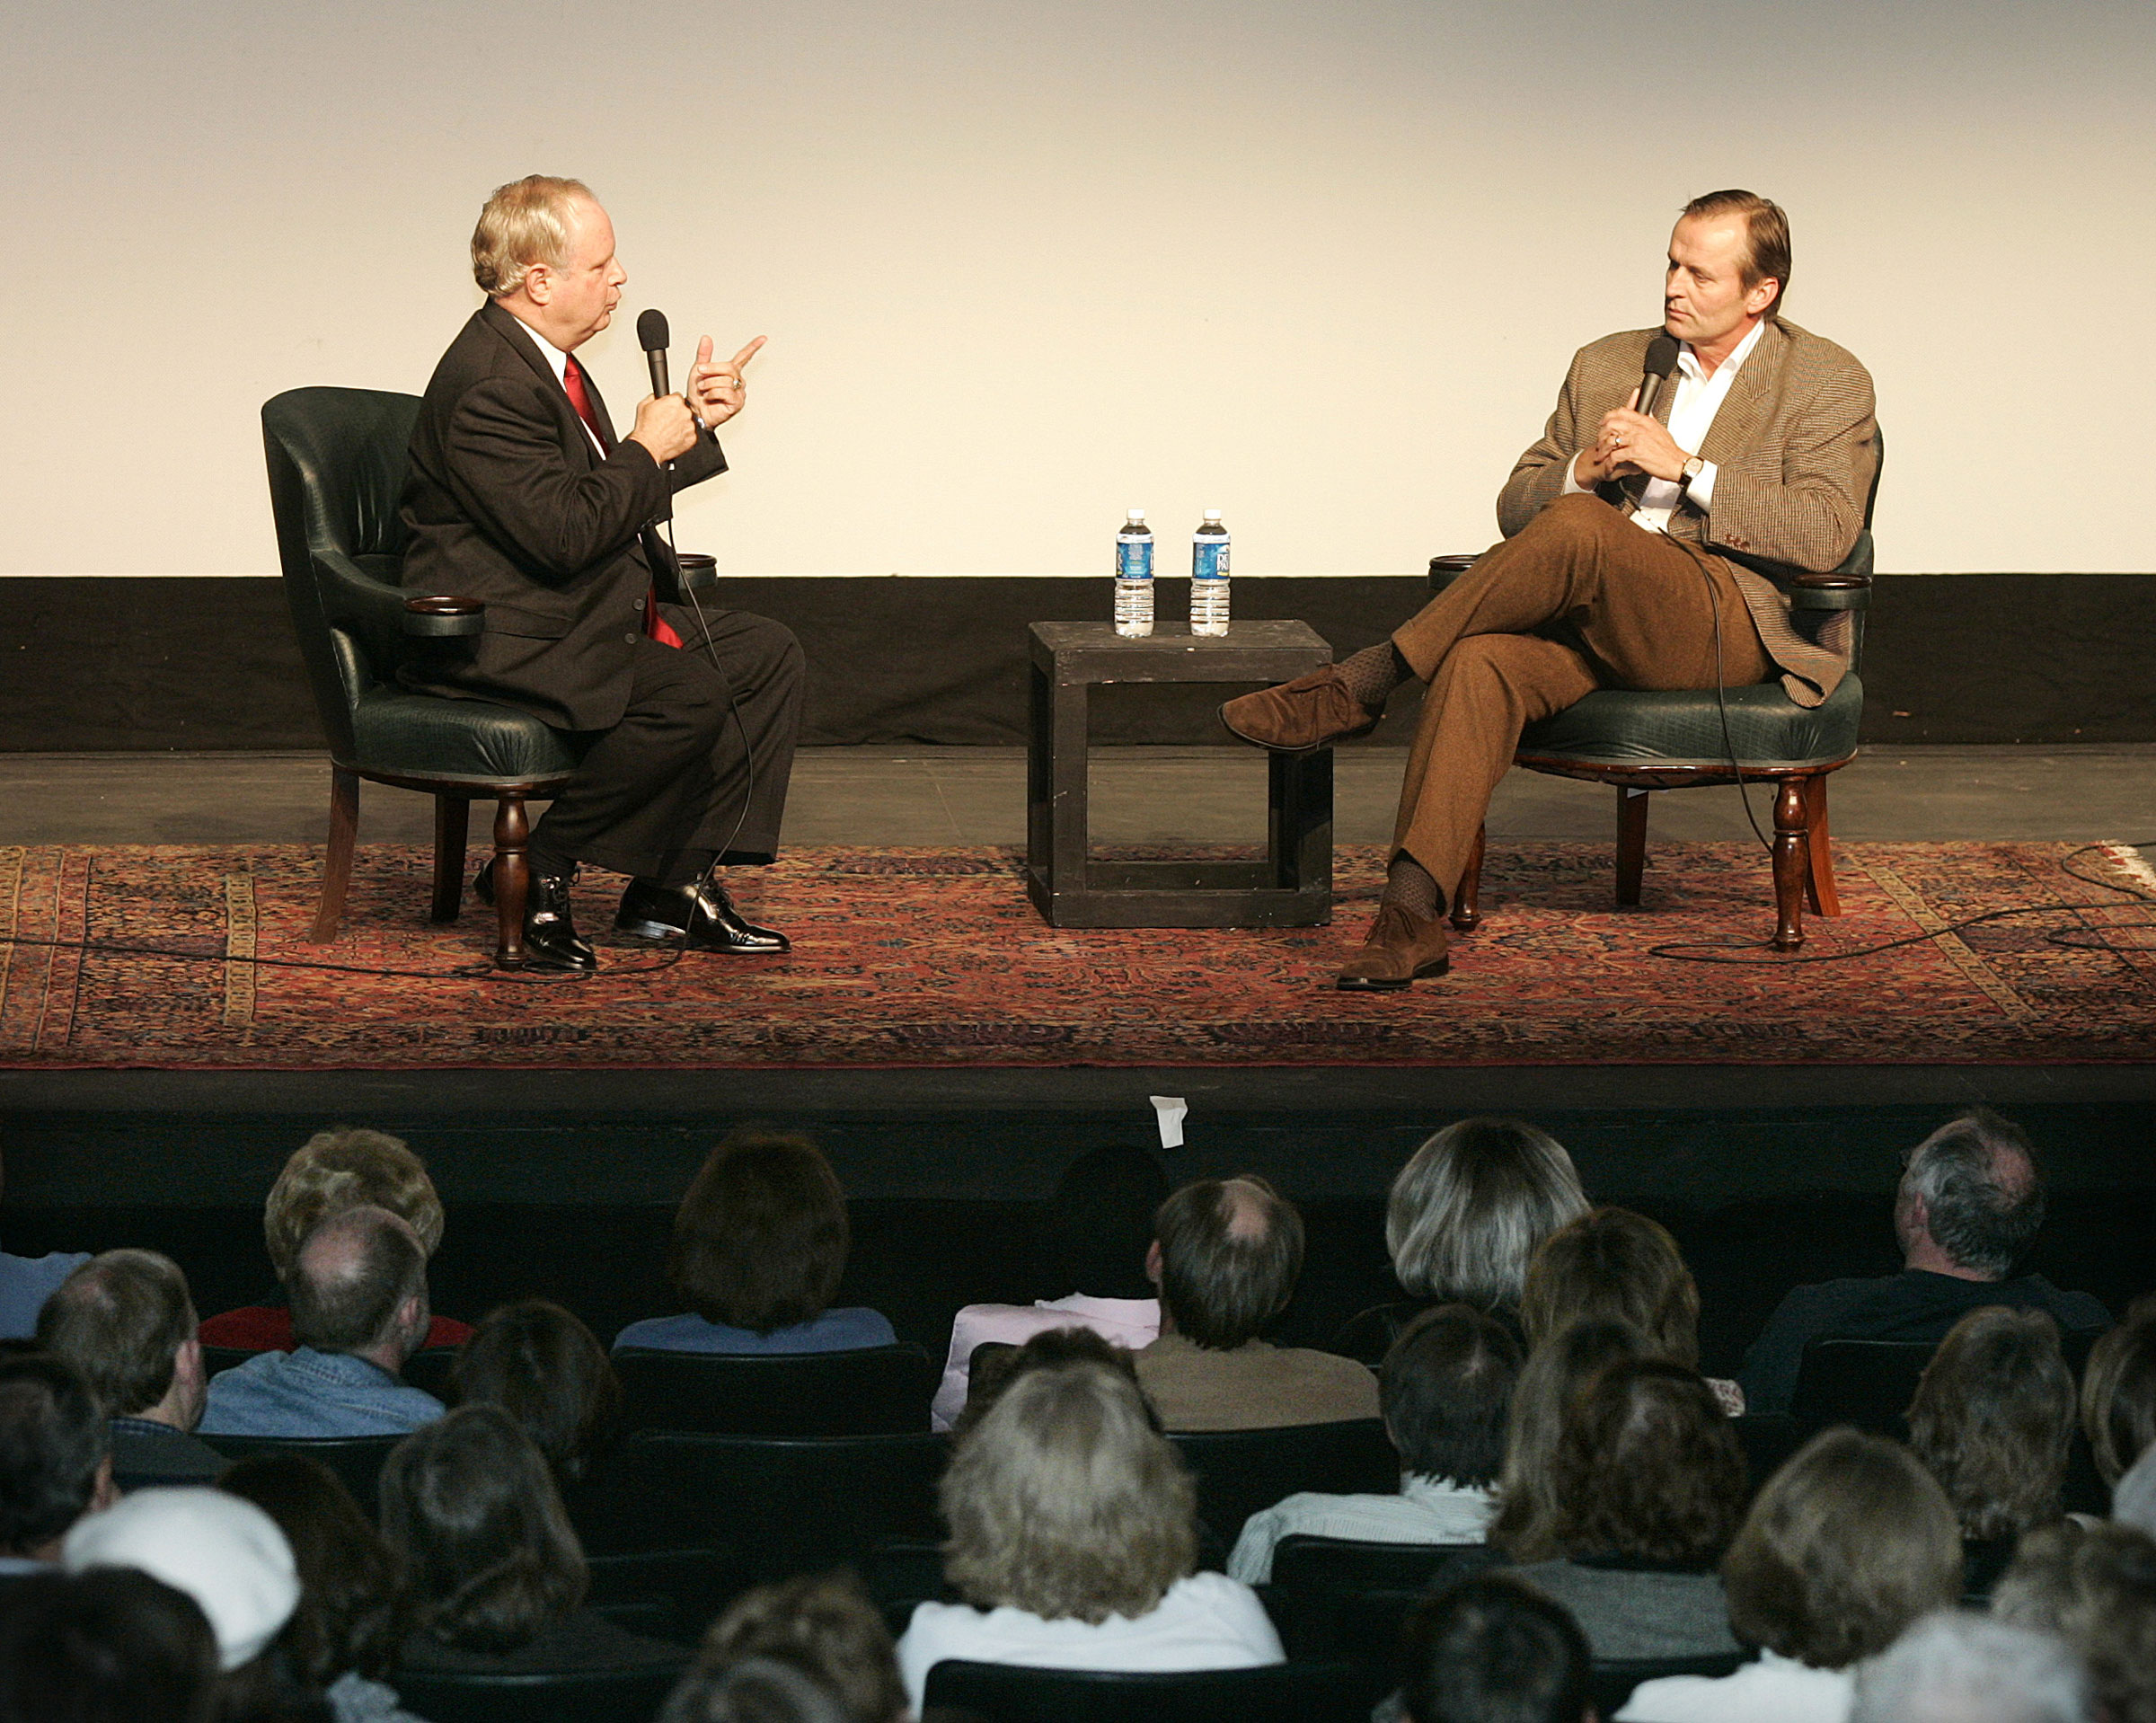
[1661, 360]
[652, 336]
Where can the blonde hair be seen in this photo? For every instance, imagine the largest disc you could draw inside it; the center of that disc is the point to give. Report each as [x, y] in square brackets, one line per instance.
[1468, 1210]
[1065, 1501]
[523, 223]
[343, 1168]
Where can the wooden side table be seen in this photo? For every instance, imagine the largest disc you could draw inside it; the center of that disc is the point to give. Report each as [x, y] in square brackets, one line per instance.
[1291, 888]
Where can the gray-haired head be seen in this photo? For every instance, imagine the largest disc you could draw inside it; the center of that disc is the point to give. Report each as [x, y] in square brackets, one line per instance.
[2134, 1497]
[1958, 1667]
[1981, 1196]
[1468, 1210]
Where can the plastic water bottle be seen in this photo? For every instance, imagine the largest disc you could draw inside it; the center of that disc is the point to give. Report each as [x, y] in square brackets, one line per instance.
[1209, 576]
[1134, 578]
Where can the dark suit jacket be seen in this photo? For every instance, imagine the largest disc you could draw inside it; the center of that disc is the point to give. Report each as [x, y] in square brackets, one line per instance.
[508, 502]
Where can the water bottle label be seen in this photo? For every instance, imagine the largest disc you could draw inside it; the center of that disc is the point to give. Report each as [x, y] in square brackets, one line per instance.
[1209, 560]
[1133, 559]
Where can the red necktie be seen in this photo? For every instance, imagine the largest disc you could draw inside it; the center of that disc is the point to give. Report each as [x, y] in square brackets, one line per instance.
[572, 380]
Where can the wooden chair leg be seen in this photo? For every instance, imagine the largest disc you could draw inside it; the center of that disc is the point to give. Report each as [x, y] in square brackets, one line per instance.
[1820, 893]
[1631, 844]
[1467, 895]
[1792, 861]
[452, 828]
[512, 878]
[337, 862]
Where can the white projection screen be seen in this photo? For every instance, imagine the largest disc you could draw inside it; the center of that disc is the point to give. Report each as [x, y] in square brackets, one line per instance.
[1024, 264]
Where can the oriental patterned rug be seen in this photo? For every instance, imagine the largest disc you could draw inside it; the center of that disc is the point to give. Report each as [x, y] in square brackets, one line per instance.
[147, 957]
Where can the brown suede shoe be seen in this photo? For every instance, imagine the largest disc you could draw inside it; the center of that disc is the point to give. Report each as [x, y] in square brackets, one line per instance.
[1311, 712]
[1401, 947]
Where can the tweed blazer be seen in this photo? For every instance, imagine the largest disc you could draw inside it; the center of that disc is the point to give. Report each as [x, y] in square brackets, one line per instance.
[1794, 446]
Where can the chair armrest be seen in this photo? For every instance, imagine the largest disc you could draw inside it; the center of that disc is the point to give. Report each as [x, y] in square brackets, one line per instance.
[1830, 592]
[442, 616]
[1446, 570]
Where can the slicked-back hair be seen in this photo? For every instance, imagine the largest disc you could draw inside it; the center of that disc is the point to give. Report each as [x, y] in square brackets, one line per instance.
[2118, 1391]
[994, 1368]
[469, 1509]
[345, 1168]
[1849, 1542]
[1493, 1649]
[543, 1366]
[1648, 1468]
[1549, 1382]
[2095, 1586]
[1766, 236]
[1065, 1501]
[1982, 1190]
[53, 1438]
[120, 1319]
[109, 1645]
[761, 1238]
[1445, 1388]
[350, 1303]
[523, 223]
[1217, 1286]
[1612, 1264]
[1468, 1210]
[352, 1612]
[1993, 1418]
[823, 1625]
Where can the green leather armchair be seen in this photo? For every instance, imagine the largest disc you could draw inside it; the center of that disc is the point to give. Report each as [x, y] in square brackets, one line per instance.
[337, 460]
[1641, 742]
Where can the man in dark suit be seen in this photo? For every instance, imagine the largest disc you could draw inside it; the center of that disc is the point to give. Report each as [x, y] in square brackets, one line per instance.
[520, 496]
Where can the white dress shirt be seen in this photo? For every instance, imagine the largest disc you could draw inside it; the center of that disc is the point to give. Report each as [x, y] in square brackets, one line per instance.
[556, 358]
[1691, 417]
[1773, 1690]
[1427, 1510]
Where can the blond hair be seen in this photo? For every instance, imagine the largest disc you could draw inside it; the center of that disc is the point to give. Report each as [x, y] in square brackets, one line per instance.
[1065, 1501]
[344, 1168]
[523, 223]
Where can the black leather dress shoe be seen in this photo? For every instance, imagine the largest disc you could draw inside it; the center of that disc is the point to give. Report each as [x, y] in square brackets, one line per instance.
[551, 941]
[701, 912]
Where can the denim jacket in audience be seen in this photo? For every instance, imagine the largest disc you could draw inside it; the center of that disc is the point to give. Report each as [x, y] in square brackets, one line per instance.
[306, 1393]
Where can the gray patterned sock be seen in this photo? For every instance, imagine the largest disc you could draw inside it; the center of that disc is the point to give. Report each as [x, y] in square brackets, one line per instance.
[1409, 886]
[1374, 671]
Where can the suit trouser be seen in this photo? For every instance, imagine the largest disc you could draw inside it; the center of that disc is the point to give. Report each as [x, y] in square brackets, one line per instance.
[670, 785]
[1579, 599]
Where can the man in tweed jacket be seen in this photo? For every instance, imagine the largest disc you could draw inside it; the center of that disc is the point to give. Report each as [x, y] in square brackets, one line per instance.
[1763, 443]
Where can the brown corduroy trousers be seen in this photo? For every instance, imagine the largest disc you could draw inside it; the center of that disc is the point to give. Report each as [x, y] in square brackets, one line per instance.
[1579, 599]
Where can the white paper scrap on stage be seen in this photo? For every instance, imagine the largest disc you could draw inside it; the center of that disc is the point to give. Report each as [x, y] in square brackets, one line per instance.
[1170, 1110]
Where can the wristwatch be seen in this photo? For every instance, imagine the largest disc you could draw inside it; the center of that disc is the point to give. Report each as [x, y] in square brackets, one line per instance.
[1692, 469]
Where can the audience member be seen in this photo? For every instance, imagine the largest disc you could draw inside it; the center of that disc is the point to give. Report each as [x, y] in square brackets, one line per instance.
[2118, 1392]
[1993, 1418]
[1971, 1198]
[1001, 1366]
[1491, 1650]
[2134, 1497]
[111, 1646]
[1650, 1485]
[333, 1170]
[1465, 1215]
[26, 1283]
[1446, 1390]
[1226, 1255]
[56, 1459]
[358, 1289]
[759, 1247]
[757, 1690]
[1849, 1543]
[1073, 1539]
[550, 1373]
[1525, 1526]
[1094, 1234]
[126, 1321]
[495, 1576]
[1955, 1667]
[2094, 1586]
[343, 1635]
[230, 1558]
[822, 1628]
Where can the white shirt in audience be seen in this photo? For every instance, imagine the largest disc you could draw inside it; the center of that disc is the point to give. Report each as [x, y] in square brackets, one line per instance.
[1129, 1322]
[1206, 1621]
[1773, 1690]
[1427, 1510]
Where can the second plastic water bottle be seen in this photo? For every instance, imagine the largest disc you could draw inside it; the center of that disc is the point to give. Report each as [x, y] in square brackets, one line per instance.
[1209, 576]
[1134, 578]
